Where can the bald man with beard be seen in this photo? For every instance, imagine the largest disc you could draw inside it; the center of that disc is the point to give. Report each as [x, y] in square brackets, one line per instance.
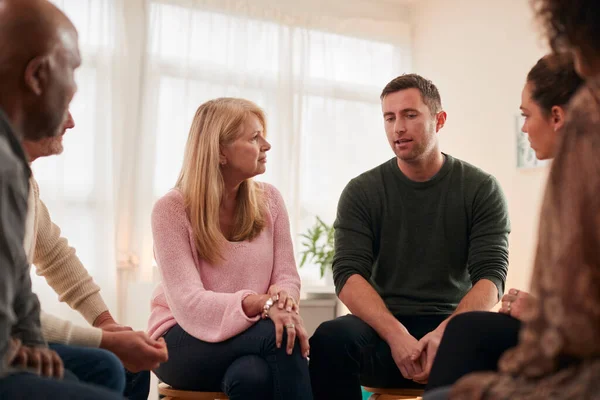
[38, 56]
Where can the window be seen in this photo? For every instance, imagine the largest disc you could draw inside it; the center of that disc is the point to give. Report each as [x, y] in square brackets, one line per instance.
[77, 185]
[320, 91]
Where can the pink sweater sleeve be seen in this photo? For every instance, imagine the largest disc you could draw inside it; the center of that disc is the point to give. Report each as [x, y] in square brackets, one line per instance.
[285, 274]
[206, 315]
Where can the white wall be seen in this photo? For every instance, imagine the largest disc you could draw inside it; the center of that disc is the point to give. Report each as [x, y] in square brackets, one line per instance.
[478, 53]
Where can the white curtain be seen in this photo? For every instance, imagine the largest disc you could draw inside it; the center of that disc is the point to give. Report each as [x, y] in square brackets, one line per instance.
[78, 186]
[317, 68]
[317, 76]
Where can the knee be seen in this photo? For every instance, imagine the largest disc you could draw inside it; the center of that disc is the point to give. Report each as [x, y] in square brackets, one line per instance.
[332, 336]
[250, 375]
[110, 367]
[471, 328]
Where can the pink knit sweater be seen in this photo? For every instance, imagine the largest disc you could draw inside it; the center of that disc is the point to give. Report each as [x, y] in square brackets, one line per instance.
[204, 299]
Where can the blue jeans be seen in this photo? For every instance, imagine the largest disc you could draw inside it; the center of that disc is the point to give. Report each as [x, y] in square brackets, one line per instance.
[138, 385]
[27, 386]
[94, 366]
[248, 366]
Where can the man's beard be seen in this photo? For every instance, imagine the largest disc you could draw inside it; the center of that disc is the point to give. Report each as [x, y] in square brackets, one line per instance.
[55, 146]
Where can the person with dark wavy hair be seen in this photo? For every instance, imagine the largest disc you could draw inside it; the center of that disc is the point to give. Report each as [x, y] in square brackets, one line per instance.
[558, 353]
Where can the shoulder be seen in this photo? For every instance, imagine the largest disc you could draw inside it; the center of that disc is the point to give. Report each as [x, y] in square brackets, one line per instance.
[473, 177]
[375, 174]
[370, 180]
[171, 205]
[10, 165]
[272, 196]
[13, 175]
[35, 187]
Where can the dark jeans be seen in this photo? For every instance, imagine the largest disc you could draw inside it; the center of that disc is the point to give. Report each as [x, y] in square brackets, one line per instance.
[472, 342]
[26, 386]
[346, 352]
[94, 366]
[248, 366]
[138, 385]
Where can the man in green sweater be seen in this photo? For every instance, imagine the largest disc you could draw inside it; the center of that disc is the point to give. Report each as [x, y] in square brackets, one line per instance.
[418, 239]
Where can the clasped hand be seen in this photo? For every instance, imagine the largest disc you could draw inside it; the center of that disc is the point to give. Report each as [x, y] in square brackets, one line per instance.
[413, 357]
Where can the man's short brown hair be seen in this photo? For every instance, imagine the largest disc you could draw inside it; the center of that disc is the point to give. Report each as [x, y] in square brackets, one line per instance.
[429, 92]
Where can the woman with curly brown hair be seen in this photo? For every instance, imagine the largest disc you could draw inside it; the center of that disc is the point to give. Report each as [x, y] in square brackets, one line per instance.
[558, 354]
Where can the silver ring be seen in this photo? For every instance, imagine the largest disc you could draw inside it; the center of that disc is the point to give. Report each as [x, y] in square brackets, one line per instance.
[508, 307]
[290, 326]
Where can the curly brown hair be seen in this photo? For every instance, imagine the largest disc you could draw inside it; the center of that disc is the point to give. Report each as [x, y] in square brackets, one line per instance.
[570, 23]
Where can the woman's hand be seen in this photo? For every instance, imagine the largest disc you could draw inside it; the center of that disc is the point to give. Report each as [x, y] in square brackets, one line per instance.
[294, 326]
[283, 300]
[515, 302]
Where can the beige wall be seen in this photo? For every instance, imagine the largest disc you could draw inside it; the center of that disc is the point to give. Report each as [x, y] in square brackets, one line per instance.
[478, 53]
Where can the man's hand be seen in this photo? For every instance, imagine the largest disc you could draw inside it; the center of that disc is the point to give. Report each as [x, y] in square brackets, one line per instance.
[515, 302]
[403, 346]
[13, 350]
[426, 351]
[136, 350]
[106, 322]
[41, 360]
[116, 328]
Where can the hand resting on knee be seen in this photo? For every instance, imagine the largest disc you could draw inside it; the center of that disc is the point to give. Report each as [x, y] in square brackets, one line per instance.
[515, 303]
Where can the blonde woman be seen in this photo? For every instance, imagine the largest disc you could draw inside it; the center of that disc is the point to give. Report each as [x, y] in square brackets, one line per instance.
[227, 304]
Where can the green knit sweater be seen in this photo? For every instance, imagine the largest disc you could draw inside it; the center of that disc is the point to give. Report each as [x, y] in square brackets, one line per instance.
[422, 245]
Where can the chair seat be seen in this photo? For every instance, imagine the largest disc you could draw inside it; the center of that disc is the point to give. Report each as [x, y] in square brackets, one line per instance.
[168, 393]
[394, 394]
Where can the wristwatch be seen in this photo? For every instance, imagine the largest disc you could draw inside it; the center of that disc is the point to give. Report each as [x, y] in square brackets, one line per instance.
[266, 307]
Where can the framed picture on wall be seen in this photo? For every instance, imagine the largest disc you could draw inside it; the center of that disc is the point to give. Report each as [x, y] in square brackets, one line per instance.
[525, 155]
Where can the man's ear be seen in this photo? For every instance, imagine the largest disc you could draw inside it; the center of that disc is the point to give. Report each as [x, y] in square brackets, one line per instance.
[37, 74]
[441, 120]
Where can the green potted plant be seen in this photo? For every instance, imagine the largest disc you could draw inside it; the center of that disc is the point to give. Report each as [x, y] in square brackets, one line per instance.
[317, 246]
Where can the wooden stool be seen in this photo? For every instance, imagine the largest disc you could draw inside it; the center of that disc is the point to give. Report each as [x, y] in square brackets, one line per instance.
[394, 394]
[166, 392]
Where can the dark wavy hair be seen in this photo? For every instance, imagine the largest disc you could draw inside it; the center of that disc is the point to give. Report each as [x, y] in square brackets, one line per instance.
[570, 24]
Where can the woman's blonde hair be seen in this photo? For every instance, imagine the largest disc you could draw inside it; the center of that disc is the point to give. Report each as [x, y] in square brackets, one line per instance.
[218, 123]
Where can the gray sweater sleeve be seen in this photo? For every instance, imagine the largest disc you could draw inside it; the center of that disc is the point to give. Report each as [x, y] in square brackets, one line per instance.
[19, 307]
[353, 237]
[488, 240]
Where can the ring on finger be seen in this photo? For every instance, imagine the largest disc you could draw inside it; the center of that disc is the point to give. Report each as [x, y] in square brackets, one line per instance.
[290, 326]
